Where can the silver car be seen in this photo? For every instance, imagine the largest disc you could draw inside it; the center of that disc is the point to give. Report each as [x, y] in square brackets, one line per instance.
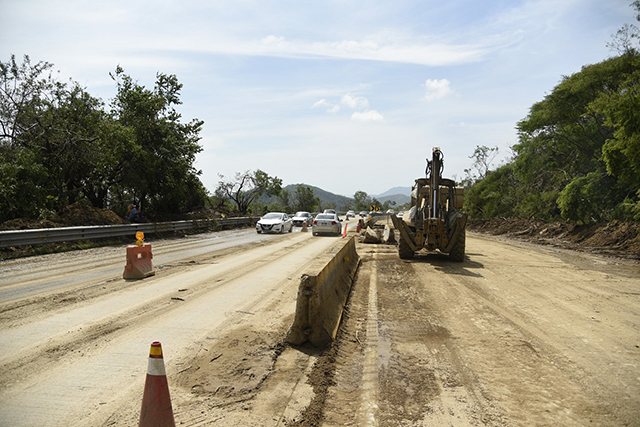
[326, 223]
[274, 222]
[301, 217]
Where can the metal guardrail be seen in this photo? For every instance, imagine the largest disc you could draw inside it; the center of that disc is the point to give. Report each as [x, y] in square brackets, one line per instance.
[68, 234]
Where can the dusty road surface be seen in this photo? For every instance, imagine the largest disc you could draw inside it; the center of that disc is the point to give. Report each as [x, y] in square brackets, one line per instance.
[517, 335]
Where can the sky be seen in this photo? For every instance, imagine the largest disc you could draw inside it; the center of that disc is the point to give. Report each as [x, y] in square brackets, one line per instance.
[343, 95]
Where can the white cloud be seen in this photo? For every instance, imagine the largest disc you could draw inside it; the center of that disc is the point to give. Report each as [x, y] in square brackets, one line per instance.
[358, 103]
[386, 46]
[331, 108]
[367, 116]
[354, 102]
[322, 103]
[273, 40]
[437, 89]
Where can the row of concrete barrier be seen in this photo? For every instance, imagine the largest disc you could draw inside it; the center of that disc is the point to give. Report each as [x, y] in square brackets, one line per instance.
[322, 297]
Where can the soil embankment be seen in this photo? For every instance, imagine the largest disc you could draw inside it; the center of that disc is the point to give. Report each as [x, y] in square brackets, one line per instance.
[616, 238]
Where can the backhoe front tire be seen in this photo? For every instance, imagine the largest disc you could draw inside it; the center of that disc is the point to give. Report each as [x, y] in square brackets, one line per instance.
[457, 252]
[404, 250]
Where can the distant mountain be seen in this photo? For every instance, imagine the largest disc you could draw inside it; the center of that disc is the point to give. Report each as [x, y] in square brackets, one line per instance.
[342, 203]
[400, 195]
[400, 199]
[393, 191]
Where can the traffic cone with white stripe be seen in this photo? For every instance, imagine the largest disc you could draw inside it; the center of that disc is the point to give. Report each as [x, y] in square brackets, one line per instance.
[156, 402]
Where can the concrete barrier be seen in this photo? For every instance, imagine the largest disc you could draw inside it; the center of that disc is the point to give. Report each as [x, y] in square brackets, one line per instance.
[322, 297]
[139, 262]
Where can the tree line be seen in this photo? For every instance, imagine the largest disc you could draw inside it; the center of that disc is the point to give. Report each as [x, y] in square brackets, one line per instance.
[60, 145]
[249, 192]
[578, 152]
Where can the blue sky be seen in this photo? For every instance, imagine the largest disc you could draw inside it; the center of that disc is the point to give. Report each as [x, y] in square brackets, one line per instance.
[344, 95]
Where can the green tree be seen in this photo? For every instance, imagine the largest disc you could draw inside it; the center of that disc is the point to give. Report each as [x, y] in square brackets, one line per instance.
[578, 150]
[22, 89]
[284, 198]
[158, 167]
[586, 125]
[23, 178]
[494, 196]
[67, 141]
[483, 158]
[362, 201]
[305, 199]
[246, 187]
[590, 198]
[388, 205]
[59, 146]
[55, 125]
[21, 192]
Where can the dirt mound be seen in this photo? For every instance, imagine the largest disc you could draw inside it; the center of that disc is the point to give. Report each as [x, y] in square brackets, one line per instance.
[72, 215]
[616, 238]
[77, 214]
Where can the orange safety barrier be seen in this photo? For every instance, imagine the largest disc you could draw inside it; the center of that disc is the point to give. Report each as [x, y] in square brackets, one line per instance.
[156, 402]
[139, 264]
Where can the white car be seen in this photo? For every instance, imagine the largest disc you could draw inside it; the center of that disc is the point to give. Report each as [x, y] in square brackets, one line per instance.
[274, 222]
[326, 223]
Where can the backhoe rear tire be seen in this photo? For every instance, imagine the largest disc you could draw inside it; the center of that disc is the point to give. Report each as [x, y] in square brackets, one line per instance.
[404, 250]
[457, 252]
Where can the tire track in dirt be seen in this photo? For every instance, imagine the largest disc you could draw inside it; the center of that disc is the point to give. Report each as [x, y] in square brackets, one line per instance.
[213, 279]
[523, 321]
[58, 272]
[368, 413]
[77, 323]
[516, 335]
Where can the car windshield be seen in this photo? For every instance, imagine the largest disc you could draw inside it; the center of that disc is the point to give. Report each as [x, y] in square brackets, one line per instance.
[302, 214]
[272, 216]
[325, 216]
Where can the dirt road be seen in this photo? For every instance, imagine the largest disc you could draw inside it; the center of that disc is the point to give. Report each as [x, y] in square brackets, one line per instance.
[516, 335]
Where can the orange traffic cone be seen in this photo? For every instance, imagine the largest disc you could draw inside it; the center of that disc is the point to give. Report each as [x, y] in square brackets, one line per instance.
[156, 402]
